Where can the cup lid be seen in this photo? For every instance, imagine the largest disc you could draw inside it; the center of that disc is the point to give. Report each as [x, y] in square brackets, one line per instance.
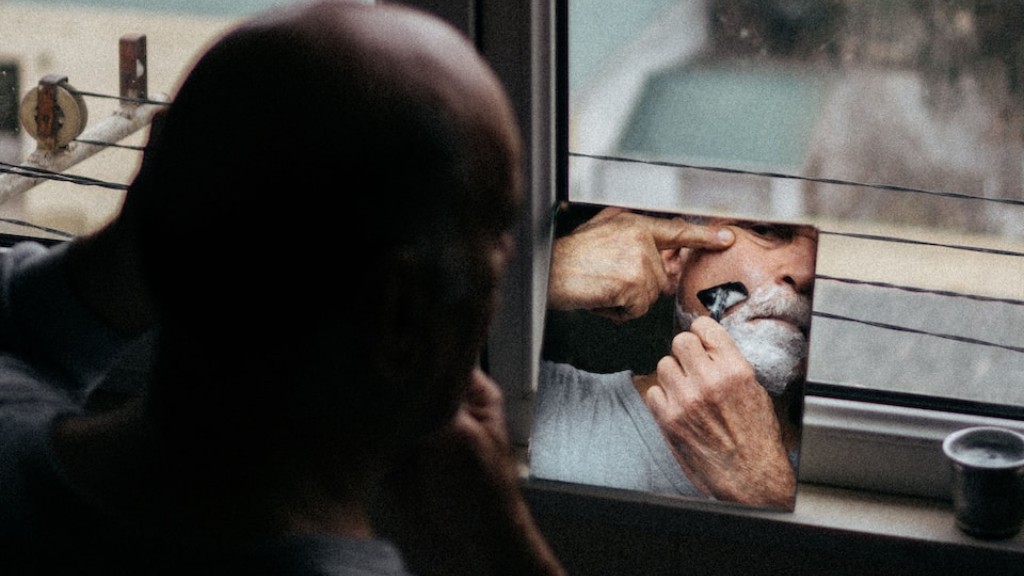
[985, 447]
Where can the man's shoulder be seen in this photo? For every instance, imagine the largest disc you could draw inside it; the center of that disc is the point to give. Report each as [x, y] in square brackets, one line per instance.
[563, 374]
[111, 552]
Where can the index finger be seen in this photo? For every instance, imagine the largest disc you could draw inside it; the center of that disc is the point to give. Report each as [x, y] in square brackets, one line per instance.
[677, 233]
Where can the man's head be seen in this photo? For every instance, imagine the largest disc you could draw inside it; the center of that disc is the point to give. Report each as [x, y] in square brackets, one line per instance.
[769, 273]
[323, 218]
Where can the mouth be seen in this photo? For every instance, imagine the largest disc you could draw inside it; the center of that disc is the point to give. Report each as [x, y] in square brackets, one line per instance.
[788, 323]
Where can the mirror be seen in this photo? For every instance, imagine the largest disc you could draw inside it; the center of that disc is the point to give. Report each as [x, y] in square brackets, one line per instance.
[625, 403]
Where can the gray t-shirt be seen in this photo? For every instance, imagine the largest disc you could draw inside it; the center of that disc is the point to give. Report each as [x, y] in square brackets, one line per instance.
[53, 353]
[595, 429]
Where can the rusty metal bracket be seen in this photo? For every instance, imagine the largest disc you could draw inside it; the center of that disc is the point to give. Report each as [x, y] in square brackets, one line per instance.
[48, 123]
[133, 66]
[54, 103]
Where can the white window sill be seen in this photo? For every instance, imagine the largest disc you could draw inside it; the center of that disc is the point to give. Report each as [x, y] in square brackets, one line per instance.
[817, 507]
[832, 531]
[873, 499]
[881, 448]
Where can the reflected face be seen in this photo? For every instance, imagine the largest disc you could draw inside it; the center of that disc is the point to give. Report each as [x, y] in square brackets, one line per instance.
[775, 263]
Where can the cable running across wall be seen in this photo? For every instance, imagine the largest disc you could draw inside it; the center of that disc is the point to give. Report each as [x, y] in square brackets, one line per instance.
[923, 243]
[782, 176]
[886, 326]
[120, 98]
[41, 228]
[110, 145]
[878, 238]
[886, 187]
[40, 173]
[86, 181]
[34, 172]
[949, 293]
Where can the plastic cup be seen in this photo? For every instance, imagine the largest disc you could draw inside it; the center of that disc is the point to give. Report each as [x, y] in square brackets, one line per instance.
[988, 480]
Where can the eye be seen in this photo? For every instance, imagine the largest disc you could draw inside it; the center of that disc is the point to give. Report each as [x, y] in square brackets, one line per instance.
[773, 232]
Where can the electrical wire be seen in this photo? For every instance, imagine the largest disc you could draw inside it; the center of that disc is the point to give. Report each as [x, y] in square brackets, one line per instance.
[896, 328]
[41, 228]
[783, 176]
[948, 293]
[871, 237]
[43, 174]
[897, 240]
[111, 144]
[119, 98]
[34, 172]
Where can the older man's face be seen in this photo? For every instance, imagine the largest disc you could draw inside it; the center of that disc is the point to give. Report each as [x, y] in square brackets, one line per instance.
[775, 264]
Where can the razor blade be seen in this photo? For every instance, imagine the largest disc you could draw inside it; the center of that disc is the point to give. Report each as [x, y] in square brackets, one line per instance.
[718, 299]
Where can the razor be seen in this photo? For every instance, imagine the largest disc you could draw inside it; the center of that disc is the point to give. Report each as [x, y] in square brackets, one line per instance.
[718, 299]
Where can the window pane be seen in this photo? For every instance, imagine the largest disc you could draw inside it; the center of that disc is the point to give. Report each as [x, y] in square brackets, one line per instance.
[80, 41]
[895, 127]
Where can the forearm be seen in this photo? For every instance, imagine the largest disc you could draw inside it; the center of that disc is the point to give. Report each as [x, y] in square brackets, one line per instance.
[767, 484]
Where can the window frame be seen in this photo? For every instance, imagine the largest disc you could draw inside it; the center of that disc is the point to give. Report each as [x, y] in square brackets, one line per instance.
[838, 423]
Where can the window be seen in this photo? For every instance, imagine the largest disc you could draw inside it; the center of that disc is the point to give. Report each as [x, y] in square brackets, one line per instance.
[80, 40]
[921, 264]
[896, 127]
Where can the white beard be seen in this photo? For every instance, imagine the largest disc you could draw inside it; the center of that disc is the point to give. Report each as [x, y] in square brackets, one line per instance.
[776, 352]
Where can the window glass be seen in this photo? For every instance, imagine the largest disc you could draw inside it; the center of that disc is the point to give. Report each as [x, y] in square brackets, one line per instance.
[895, 127]
[79, 40]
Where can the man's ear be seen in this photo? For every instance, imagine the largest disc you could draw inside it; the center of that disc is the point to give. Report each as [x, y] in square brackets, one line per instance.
[672, 262]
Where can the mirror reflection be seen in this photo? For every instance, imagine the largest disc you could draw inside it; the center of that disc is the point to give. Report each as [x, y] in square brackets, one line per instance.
[675, 354]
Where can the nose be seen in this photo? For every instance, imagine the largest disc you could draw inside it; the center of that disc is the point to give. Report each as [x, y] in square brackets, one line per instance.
[797, 270]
